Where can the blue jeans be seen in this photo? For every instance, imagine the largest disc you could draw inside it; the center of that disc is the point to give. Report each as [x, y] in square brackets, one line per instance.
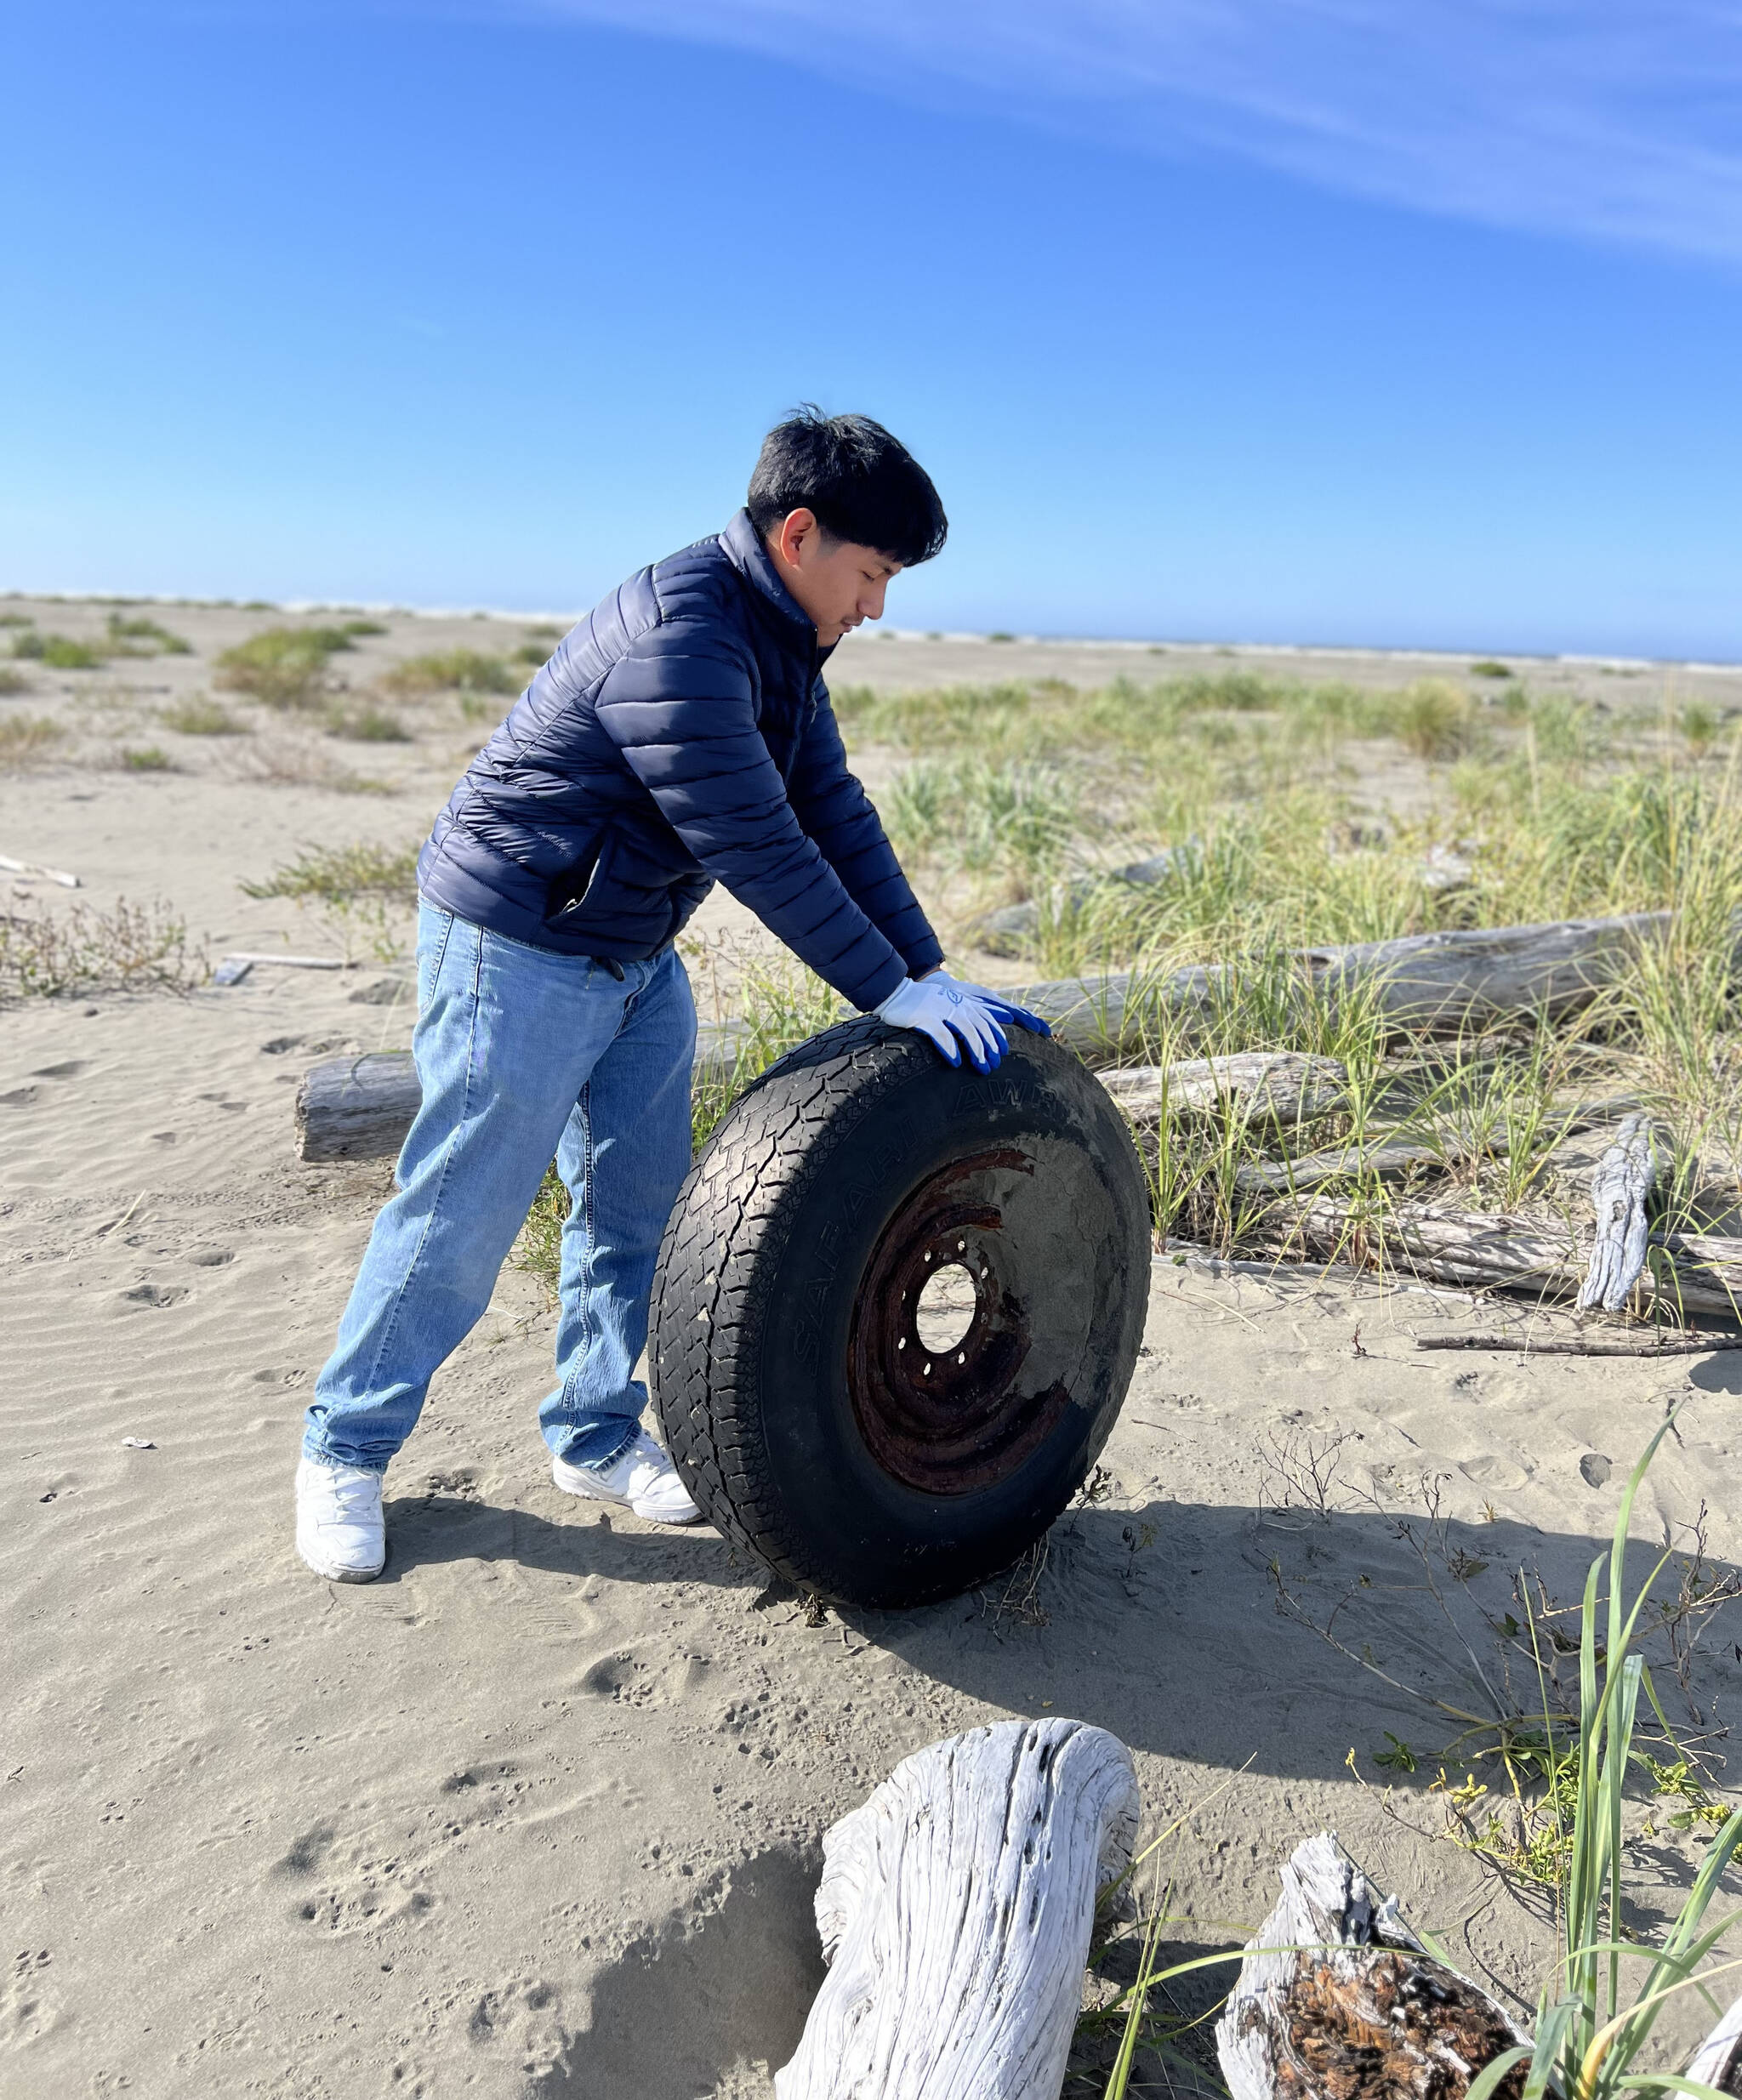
[523, 1055]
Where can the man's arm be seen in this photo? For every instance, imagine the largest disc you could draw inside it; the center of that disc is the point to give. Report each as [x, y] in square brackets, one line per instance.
[678, 709]
[834, 809]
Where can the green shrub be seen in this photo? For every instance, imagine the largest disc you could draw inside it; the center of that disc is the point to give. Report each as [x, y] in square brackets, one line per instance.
[287, 667]
[127, 635]
[17, 620]
[146, 759]
[362, 627]
[343, 874]
[135, 947]
[1491, 667]
[1433, 718]
[201, 716]
[1699, 724]
[367, 725]
[24, 738]
[449, 670]
[57, 652]
[13, 681]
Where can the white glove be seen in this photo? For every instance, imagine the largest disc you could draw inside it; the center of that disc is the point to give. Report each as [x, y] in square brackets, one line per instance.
[955, 1016]
[1005, 1009]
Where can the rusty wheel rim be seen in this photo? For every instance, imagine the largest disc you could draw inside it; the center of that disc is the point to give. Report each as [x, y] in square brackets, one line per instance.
[952, 1421]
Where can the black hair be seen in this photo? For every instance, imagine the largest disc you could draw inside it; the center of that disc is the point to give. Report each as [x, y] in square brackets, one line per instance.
[862, 484]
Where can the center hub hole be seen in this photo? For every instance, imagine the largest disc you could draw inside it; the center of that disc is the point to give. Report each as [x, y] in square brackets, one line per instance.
[945, 1309]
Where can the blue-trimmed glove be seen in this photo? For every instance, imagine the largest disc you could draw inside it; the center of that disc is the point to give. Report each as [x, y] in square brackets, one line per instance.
[955, 1016]
[1006, 1010]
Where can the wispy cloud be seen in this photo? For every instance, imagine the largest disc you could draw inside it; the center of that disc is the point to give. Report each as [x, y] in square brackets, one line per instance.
[1614, 120]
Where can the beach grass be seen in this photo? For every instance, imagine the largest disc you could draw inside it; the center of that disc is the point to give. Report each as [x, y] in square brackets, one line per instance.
[288, 668]
[344, 874]
[201, 716]
[449, 670]
[26, 740]
[50, 951]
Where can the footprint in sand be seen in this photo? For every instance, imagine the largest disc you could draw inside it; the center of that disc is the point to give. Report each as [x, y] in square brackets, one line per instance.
[154, 1294]
[1491, 1471]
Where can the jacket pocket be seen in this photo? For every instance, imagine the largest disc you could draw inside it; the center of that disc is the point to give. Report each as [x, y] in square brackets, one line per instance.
[569, 891]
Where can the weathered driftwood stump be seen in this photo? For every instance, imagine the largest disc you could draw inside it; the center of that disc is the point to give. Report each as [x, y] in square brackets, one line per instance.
[1717, 2062]
[1351, 2004]
[1620, 1189]
[955, 1911]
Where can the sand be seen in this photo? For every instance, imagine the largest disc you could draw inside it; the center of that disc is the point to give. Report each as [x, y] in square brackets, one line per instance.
[539, 1811]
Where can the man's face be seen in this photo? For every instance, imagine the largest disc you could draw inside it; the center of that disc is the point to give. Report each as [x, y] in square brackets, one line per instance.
[837, 582]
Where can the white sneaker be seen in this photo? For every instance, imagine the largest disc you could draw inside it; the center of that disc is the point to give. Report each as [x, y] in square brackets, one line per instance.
[643, 1477]
[339, 1529]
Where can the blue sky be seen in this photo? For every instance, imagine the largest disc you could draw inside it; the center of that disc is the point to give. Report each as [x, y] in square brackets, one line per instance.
[1385, 321]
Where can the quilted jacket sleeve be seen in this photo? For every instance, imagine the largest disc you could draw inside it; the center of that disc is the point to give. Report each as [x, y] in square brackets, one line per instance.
[835, 811]
[679, 707]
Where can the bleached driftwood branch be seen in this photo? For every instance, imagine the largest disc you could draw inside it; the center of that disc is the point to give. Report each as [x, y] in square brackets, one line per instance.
[1620, 1189]
[1717, 2062]
[955, 1911]
[1339, 1996]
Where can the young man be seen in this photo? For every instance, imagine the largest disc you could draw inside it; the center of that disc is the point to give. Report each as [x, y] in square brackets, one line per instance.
[681, 735]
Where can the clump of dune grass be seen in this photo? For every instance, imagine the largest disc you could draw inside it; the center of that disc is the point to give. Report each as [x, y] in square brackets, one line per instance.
[48, 951]
[13, 681]
[17, 619]
[145, 637]
[341, 875]
[1434, 718]
[367, 725]
[361, 894]
[1491, 667]
[987, 818]
[449, 670]
[282, 762]
[287, 668]
[149, 757]
[26, 740]
[202, 716]
[57, 652]
[1700, 724]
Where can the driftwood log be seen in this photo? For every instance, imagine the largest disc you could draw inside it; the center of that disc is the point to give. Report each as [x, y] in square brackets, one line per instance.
[1620, 1189]
[1485, 1251]
[1286, 1087]
[1444, 983]
[1339, 1996]
[955, 1911]
[1717, 2062]
[361, 1107]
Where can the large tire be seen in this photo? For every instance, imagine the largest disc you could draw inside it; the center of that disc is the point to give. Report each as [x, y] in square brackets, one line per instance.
[804, 1410]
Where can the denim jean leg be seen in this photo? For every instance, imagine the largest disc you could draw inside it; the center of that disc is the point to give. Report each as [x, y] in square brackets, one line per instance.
[624, 1156]
[505, 1042]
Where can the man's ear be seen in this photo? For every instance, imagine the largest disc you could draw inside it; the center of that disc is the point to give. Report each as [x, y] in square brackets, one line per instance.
[797, 528]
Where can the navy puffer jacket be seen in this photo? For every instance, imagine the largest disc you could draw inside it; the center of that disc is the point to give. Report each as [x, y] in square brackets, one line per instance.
[681, 735]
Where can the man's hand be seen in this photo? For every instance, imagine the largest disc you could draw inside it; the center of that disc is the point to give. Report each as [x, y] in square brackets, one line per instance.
[1005, 1009]
[955, 1016]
